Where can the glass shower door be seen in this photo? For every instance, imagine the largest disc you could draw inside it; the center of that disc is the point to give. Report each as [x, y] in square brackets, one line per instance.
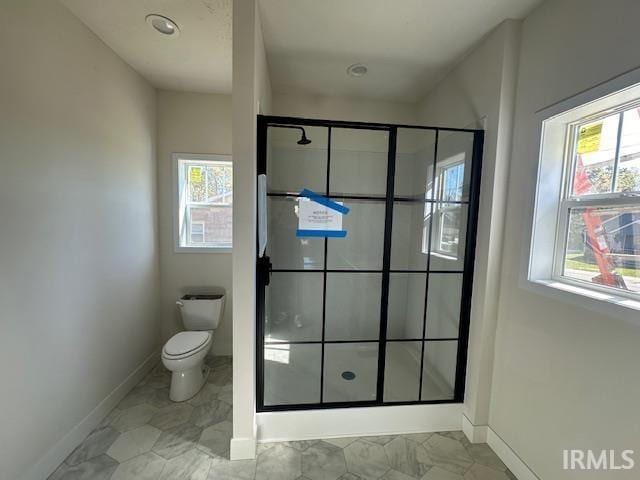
[430, 216]
[379, 316]
[319, 345]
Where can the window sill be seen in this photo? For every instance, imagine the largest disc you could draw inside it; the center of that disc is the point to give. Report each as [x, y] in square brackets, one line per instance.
[444, 256]
[609, 304]
[203, 249]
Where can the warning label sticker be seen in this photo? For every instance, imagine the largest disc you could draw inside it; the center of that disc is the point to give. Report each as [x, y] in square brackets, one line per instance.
[589, 138]
[195, 175]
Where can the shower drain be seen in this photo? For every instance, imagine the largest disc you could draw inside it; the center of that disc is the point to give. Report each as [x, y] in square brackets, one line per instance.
[348, 375]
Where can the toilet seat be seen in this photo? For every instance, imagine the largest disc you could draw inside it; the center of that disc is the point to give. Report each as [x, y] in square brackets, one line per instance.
[186, 344]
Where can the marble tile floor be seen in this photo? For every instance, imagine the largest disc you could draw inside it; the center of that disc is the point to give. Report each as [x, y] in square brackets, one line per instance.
[148, 437]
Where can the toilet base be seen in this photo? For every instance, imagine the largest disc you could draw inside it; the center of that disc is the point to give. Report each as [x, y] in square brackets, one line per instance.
[185, 385]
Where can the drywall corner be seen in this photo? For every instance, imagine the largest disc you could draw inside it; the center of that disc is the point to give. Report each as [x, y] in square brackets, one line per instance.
[251, 91]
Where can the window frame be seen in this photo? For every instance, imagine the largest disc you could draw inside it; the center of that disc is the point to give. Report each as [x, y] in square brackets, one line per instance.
[177, 203]
[570, 201]
[544, 212]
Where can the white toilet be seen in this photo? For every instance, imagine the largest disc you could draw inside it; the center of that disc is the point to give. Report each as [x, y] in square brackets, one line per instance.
[184, 353]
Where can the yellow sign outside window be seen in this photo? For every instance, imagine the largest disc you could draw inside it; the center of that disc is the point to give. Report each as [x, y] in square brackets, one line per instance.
[589, 138]
[195, 175]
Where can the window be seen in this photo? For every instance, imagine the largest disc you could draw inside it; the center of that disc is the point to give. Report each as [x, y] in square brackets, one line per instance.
[452, 176]
[447, 210]
[590, 156]
[197, 233]
[599, 228]
[204, 202]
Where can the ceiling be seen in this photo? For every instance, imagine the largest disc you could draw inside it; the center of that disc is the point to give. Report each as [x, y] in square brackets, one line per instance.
[199, 60]
[408, 45]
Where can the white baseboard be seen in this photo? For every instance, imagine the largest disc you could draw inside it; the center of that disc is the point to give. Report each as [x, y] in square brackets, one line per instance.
[509, 457]
[475, 433]
[352, 422]
[243, 448]
[56, 454]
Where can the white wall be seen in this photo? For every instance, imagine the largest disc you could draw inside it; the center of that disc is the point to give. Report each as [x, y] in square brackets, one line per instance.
[251, 95]
[190, 123]
[78, 254]
[565, 376]
[343, 108]
[479, 93]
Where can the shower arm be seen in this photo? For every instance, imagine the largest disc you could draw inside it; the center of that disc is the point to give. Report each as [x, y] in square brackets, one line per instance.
[303, 139]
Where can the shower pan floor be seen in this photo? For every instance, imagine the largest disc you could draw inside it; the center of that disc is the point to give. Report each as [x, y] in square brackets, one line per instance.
[350, 374]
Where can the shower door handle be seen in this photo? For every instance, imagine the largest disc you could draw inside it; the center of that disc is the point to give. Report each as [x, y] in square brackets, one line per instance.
[264, 270]
[263, 234]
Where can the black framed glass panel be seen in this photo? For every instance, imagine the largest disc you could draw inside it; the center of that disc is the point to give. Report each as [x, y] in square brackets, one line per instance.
[439, 370]
[293, 166]
[415, 149]
[448, 236]
[292, 373]
[363, 246]
[443, 305]
[402, 371]
[359, 162]
[284, 248]
[410, 235]
[350, 372]
[346, 318]
[405, 313]
[379, 316]
[294, 307]
[453, 167]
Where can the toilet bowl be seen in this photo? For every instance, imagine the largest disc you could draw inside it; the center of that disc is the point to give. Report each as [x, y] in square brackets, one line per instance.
[185, 352]
[184, 355]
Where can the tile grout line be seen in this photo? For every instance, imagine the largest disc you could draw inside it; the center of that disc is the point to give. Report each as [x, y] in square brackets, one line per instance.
[138, 401]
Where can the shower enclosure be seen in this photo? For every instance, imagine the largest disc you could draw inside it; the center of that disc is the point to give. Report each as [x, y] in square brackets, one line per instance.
[378, 315]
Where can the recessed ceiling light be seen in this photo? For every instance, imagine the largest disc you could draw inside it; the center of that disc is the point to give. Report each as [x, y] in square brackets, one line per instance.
[164, 25]
[357, 70]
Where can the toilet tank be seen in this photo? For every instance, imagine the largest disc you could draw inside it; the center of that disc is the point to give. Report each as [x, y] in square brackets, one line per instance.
[201, 312]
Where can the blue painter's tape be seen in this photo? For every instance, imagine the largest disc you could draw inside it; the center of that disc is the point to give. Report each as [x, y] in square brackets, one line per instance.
[321, 233]
[322, 200]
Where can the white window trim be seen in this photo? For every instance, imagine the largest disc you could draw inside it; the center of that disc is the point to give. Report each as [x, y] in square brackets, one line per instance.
[539, 260]
[175, 157]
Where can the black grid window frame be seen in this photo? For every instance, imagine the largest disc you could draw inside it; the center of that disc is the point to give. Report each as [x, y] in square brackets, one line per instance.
[264, 268]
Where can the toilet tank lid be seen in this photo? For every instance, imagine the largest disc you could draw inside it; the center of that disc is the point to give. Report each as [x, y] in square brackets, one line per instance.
[201, 297]
[185, 342]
